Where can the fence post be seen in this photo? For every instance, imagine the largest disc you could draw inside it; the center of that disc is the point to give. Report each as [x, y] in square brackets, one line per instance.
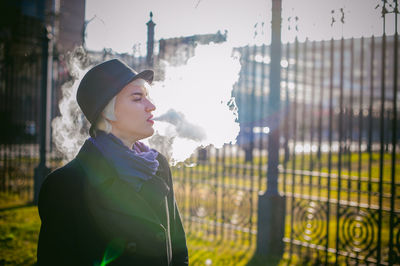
[272, 205]
[42, 170]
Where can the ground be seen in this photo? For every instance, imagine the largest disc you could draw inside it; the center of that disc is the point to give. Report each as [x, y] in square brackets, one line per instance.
[20, 224]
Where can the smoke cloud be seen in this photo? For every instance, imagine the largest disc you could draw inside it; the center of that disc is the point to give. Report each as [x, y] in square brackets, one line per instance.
[184, 128]
[70, 130]
[194, 105]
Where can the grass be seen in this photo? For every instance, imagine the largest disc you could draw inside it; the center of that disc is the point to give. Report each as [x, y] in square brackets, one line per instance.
[213, 188]
[309, 179]
[205, 251]
[20, 224]
[19, 221]
[369, 164]
[19, 228]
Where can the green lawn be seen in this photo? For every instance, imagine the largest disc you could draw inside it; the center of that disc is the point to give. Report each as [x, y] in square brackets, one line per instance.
[20, 224]
[19, 221]
[19, 227]
[358, 183]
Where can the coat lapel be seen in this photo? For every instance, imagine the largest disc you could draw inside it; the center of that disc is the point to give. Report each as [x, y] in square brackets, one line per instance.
[108, 190]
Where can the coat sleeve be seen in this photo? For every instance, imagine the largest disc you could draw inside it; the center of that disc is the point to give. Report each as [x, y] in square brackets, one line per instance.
[56, 238]
[178, 237]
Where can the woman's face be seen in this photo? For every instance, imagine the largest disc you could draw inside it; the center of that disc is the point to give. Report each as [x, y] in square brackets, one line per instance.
[133, 112]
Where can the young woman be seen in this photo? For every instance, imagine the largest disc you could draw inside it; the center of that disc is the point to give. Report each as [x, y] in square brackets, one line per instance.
[114, 203]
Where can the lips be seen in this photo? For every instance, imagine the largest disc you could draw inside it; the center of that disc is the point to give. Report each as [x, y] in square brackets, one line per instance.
[149, 120]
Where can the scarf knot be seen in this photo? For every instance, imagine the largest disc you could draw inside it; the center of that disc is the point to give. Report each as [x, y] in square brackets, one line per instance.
[135, 165]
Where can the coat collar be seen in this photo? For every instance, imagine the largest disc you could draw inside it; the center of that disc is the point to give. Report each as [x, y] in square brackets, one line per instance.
[113, 193]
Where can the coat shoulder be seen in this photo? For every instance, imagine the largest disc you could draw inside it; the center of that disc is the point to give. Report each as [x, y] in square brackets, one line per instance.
[61, 186]
[67, 176]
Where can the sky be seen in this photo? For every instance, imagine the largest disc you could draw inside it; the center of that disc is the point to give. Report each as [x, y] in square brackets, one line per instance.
[119, 24]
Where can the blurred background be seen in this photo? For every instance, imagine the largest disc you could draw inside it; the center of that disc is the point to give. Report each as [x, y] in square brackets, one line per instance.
[280, 119]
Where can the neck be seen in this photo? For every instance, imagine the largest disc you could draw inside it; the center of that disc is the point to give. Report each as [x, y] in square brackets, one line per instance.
[127, 140]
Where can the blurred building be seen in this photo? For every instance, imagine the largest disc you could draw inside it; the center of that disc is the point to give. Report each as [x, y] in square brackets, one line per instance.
[176, 51]
[70, 24]
[352, 70]
[34, 34]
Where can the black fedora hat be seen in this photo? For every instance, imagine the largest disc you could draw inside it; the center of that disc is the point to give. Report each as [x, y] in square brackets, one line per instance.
[101, 83]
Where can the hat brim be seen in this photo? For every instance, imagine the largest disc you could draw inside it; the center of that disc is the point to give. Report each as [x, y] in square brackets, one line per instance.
[147, 75]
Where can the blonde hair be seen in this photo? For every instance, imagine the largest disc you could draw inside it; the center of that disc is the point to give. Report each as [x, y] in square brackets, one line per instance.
[108, 113]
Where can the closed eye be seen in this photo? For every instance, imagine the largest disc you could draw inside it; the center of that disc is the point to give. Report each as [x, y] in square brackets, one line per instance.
[137, 96]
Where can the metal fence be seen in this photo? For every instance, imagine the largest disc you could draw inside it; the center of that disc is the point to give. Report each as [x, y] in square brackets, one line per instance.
[338, 149]
[22, 44]
[340, 138]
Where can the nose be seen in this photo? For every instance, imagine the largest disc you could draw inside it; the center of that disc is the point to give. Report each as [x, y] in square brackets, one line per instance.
[150, 106]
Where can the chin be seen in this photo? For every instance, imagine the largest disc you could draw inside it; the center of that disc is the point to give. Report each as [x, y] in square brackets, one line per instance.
[151, 133]
[148, 134]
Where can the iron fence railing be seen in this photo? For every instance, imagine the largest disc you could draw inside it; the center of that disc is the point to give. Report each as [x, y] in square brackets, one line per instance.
[341, 200]
[338, 158]
[21, 61]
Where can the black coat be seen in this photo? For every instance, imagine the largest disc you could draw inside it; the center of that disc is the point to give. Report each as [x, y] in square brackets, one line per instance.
[90, 216]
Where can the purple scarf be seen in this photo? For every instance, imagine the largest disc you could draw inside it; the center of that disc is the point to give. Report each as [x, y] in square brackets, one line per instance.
[135, 165]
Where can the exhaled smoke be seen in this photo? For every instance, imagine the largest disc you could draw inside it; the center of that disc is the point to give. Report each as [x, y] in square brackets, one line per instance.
[71, 128]
[184, 128]
[194, 102]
